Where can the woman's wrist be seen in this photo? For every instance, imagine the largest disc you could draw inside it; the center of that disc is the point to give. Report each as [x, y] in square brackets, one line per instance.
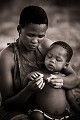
[29, 89]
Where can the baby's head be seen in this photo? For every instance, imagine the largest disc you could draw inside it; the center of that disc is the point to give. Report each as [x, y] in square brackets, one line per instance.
[58, 56]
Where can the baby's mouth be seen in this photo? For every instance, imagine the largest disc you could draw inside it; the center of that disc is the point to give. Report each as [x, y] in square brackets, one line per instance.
[51, 67]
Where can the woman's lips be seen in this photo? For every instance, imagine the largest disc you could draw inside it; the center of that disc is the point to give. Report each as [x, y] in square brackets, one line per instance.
[32, 46]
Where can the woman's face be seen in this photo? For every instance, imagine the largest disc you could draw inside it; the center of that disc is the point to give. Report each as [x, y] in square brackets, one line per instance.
[32, 34]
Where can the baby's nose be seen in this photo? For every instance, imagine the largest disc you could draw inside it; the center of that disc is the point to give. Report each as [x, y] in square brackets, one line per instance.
[53, 60]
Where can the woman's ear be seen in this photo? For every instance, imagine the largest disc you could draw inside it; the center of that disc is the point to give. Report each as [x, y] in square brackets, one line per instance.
[19, 29]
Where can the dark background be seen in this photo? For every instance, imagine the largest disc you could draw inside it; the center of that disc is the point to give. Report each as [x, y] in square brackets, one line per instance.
[64, 23]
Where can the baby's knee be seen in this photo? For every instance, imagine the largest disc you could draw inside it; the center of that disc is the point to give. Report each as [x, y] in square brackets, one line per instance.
[36, 115]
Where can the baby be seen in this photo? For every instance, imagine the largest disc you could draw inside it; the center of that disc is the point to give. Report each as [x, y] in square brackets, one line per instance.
[51, 102]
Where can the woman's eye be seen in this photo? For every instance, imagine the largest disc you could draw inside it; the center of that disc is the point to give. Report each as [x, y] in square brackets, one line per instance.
[30, 35]
[33, 35]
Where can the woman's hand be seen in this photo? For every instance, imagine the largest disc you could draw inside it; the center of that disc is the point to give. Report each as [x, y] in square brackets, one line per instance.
[55, 81]
[36, 82]
[34, 75]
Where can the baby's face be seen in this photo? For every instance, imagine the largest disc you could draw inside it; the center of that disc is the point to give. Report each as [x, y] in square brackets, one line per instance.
[55, 59]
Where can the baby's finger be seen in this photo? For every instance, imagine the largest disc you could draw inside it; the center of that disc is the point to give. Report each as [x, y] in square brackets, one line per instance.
[48, 79]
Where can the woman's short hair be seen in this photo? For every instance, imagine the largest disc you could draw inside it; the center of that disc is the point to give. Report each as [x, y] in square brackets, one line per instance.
[33, 14]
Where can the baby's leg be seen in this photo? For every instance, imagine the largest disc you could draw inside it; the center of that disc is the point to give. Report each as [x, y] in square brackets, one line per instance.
[36, 115]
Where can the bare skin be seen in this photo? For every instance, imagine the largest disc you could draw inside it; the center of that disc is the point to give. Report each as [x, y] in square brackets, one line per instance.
[52, 98]
[7, 66]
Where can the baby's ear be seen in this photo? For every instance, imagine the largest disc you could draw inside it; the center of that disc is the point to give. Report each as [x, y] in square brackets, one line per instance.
[66, 65]
[19, 29]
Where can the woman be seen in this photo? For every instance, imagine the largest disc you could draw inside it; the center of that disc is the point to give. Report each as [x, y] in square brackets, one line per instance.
[21, 58]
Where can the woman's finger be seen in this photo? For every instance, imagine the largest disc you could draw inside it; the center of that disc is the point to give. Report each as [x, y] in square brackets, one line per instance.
[39, 81]
[40, 74]
[42, 86]
[57, 80]
[33, 75]
[37, 85]
[39, 77]
[58, 84]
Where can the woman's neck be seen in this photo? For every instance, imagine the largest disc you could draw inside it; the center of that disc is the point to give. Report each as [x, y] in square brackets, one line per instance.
[22, 48]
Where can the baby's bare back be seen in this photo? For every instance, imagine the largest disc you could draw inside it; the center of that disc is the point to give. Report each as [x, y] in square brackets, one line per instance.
[51, 100]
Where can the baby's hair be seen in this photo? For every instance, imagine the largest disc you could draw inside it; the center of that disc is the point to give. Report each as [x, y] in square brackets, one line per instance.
[33, 14]
[66, 47]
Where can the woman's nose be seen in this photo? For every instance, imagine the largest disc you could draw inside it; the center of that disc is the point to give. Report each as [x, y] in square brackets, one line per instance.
[35, 40]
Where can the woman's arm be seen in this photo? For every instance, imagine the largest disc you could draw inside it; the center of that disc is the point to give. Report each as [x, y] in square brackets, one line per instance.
[9, 95]
[70, 80]
[72, 101]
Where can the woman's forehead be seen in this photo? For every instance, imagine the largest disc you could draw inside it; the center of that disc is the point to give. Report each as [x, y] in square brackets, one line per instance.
[35, 28]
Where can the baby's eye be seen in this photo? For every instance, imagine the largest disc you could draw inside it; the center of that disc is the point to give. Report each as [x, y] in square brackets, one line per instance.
[41, 36]
[59, 59]
[49, 55]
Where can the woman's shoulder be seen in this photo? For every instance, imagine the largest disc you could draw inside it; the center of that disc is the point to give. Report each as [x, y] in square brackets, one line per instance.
[7, 55]
[44, 45]
[6, 52]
